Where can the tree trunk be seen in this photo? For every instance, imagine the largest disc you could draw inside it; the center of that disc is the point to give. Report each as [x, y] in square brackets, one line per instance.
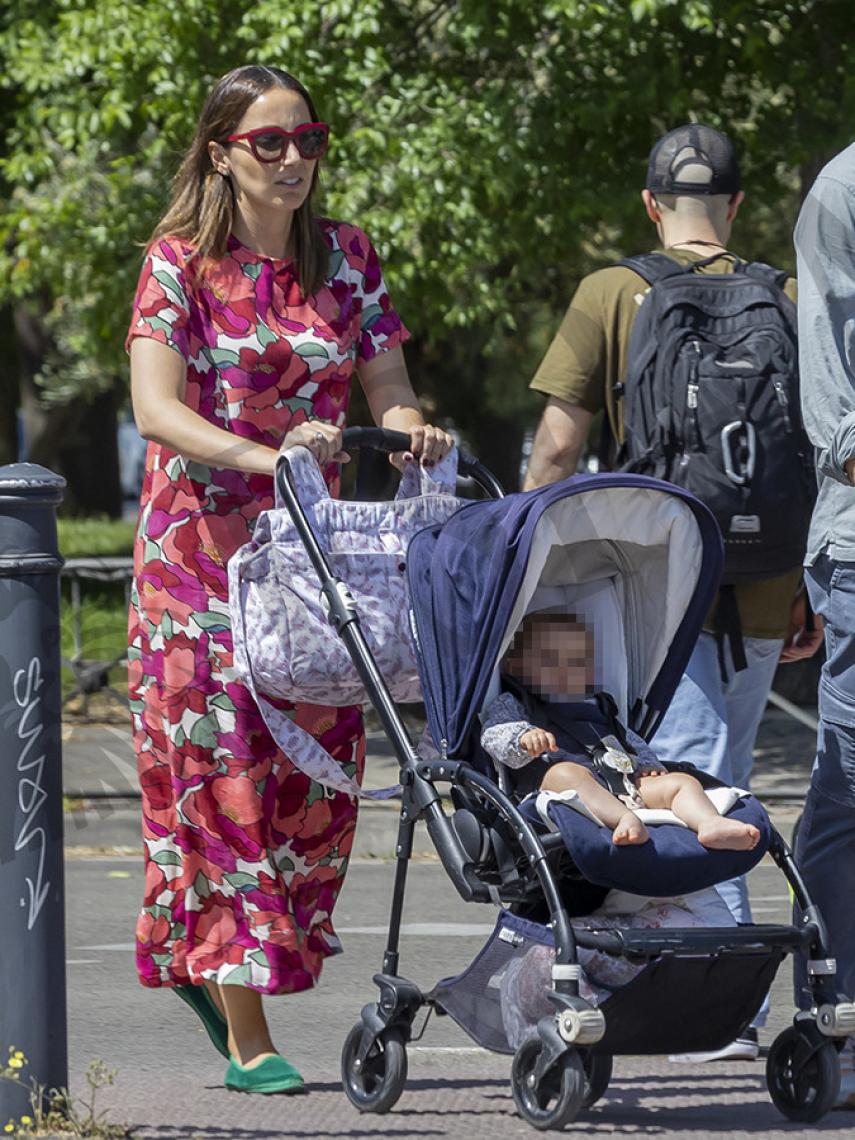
[9, 389]
[450, 377]
[78, 440]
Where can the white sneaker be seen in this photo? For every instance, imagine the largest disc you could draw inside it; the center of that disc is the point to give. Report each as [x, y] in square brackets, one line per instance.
[744, 1048]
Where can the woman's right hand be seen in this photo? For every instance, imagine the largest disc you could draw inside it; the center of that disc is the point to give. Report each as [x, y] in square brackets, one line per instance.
[322, 439]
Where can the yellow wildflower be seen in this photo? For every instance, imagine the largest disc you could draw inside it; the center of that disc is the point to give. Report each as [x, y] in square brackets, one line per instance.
[16, 1062]
[10, 1127]
[26, 1120]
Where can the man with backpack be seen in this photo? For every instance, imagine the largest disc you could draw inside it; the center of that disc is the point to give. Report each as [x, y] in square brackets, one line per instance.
[691, 355]
[825, 248]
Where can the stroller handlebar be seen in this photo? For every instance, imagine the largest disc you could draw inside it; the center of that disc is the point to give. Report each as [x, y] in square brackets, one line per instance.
[377, 438]
[382, 439]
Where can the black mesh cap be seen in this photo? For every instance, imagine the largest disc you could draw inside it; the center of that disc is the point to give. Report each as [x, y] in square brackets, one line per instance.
[693, 160]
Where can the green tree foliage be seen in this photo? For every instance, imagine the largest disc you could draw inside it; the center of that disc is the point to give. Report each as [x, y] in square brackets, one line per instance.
[492, 148]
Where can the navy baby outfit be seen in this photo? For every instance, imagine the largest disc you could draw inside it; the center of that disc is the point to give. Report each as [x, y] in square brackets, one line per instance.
[578, 727]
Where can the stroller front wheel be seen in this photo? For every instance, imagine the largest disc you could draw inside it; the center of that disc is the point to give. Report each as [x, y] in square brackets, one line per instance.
[803, 1075]
[374, 1083]
[557, 1097]
[598, 1073]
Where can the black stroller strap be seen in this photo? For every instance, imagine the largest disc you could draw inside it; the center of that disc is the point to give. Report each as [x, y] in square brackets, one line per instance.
[728, 626]
[611, 777]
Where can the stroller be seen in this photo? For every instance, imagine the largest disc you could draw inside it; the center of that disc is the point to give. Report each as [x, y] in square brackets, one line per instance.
[645, 558]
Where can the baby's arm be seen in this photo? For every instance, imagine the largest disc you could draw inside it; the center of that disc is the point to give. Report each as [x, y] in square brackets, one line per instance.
[509, 737]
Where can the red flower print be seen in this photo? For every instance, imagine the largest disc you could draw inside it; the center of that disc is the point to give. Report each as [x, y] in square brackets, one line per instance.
[259, 865]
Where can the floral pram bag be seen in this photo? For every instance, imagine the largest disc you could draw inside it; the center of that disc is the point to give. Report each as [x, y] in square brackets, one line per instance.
[284, 645]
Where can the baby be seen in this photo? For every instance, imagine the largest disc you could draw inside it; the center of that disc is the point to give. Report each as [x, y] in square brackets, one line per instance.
[550, 725]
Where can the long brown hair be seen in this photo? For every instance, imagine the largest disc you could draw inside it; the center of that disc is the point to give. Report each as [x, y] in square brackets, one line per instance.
[202, 207]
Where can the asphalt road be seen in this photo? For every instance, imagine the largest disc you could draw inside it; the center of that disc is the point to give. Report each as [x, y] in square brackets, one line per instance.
[169, 1079]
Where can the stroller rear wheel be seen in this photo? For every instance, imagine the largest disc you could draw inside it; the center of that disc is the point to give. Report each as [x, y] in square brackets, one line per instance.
[803, 1075]
[555, 1099]
[374, 1084]
[598, 1073]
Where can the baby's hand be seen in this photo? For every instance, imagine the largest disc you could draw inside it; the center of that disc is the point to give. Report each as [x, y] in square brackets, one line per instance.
[536, 741]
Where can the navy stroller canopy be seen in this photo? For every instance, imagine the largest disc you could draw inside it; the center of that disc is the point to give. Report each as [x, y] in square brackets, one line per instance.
[639, 560]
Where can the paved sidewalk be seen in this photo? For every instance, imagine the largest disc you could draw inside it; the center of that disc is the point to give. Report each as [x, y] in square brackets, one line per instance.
[169, 1082]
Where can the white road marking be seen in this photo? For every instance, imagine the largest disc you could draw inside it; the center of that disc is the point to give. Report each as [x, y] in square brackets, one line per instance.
[449, 1049]
[413, 929]
[110, 946]
[427, 929]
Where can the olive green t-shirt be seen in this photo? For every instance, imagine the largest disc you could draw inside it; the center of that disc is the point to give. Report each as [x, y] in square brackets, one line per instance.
[590, 354]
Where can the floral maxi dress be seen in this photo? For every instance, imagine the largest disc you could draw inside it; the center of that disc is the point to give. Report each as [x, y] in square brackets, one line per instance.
[244, 855]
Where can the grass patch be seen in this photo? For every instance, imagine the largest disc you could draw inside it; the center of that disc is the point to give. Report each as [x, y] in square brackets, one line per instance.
[103, 629]
[95, 537]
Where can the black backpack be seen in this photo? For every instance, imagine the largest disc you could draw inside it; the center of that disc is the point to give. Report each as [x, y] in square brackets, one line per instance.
[711, 403]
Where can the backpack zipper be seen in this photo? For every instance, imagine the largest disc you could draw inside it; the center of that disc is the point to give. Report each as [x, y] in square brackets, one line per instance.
[693, 388]
[692, 391]
[783, 400]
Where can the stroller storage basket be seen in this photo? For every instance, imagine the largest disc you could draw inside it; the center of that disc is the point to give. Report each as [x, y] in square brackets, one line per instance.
[474, 998]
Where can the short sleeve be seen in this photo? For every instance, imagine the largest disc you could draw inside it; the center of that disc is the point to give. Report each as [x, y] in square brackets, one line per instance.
[380, 326]
[162, 306]
[574, 368]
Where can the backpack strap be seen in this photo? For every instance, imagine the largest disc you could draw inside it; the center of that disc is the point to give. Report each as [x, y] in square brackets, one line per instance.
[728, 626]
[777, 278]
[655, 267]
[652, 267]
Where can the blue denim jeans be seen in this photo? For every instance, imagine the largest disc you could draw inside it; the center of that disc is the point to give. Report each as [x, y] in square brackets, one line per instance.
[825, 850]
[713, 724]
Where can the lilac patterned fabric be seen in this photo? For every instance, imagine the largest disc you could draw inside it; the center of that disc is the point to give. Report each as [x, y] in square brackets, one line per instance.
[284, 646]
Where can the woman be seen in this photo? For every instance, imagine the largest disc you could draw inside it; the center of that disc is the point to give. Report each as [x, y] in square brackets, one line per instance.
[250, 317]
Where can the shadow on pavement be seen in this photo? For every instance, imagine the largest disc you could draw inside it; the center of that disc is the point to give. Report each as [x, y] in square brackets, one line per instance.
[171, 1132]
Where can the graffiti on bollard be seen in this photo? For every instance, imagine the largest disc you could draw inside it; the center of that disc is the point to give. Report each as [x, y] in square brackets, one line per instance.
[32, 904]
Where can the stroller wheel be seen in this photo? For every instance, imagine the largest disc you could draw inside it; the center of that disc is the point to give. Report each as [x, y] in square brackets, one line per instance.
[598, 1073]
[375, 1084]
[556, 1099]
[803, 1075]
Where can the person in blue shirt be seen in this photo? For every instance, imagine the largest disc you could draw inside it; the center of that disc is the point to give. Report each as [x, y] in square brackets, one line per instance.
[825, 851]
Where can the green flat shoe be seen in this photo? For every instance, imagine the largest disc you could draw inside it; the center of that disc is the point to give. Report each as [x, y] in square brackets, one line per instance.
[201, 1002]
[273, 1075]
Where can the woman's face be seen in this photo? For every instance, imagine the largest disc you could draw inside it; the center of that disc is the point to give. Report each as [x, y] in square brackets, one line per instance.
[265, 186]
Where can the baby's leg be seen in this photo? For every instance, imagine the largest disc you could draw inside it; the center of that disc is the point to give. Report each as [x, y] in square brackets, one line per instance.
[628, 828]
[682, 794]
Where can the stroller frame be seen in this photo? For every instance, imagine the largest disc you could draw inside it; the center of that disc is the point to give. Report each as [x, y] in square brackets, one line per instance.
[491, 853]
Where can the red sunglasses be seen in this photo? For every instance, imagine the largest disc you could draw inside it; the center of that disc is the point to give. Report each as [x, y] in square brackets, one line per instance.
[269, 144]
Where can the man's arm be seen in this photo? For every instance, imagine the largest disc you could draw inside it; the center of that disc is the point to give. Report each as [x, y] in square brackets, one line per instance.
[558, 443]
[825, 248]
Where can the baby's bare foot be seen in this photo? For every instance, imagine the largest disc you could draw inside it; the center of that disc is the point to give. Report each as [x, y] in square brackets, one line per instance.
[725, 834]
[629, 831]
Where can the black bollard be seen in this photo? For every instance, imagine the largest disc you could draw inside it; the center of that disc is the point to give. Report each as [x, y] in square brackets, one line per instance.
[32, 897]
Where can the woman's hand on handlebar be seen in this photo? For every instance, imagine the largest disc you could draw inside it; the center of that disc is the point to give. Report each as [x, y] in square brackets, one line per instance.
[428, 444]
[322, 439]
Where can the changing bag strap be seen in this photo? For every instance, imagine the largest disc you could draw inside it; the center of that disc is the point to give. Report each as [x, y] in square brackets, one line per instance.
[300, 746]
[310, 757]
